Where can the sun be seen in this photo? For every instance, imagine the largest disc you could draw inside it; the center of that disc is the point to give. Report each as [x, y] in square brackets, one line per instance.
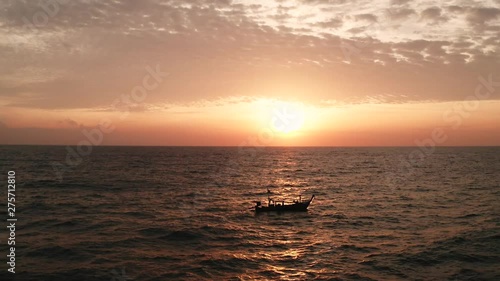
[286, 117]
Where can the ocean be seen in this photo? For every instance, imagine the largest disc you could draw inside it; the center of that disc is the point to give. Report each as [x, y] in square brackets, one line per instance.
[185, 213]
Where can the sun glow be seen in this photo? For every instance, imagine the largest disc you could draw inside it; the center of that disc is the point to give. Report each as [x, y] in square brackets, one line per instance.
[286, 117]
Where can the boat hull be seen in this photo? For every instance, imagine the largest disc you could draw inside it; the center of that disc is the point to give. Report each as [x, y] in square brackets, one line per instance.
[296, 207]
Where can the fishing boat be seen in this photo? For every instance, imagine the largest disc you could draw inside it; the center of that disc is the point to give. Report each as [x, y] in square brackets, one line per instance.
[282, 206]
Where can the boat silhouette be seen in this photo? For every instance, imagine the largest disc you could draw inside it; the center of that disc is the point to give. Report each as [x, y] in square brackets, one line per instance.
[282, 206]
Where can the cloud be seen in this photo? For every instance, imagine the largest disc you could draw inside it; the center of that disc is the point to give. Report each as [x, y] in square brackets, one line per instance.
[433, 15]
[456, 9]
[357, 30]
[400, 2]
[400, 14]
[480, 16]
[333, 23]
[70, 122]
[366, 17]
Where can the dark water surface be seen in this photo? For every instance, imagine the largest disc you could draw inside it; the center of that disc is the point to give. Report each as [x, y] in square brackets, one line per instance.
[166, 213]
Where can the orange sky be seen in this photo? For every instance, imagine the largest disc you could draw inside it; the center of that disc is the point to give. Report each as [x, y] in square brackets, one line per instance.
[356, 73]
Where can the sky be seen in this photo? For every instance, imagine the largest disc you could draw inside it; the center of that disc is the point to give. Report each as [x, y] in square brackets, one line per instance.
[248, 72]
